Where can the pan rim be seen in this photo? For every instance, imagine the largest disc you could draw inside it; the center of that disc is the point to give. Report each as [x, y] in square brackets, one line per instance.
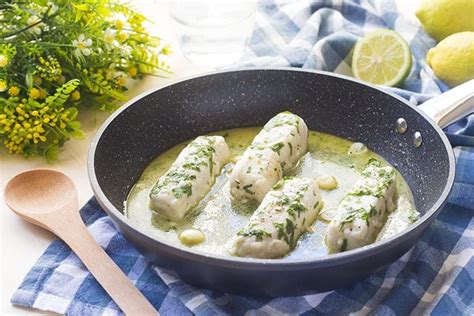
[270, 264]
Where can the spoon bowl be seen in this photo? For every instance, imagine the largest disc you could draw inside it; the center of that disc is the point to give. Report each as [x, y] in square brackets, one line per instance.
[39, 191]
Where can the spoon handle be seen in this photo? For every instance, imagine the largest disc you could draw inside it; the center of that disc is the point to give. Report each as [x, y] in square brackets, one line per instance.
[105, 271]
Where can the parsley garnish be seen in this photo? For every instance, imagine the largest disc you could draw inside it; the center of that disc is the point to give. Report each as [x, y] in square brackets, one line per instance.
[344, 245]
[277, 147]
[247, 189]
[184, 189]
[286, 231]
[259, 234]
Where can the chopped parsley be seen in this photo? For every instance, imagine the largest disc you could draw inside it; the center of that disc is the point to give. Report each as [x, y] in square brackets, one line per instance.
[295, 208]
[348, 218]
[367, 215]
[179, 178]
[277, 147]
[413, 215]
[192, 166]
[259, 234]
[316, 204]
[247, 189]
[383, 176]
[284, 118]
[286, 231]
[351, 212]
[186, 189]
[278, 185]
[344, 245]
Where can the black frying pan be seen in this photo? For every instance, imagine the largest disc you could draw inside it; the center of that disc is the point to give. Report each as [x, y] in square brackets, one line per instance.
[158, 120]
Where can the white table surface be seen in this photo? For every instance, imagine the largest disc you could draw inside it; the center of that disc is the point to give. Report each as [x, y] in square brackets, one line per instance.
[22, 243]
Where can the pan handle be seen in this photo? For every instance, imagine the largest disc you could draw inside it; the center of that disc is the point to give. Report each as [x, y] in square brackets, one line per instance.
[451, 105]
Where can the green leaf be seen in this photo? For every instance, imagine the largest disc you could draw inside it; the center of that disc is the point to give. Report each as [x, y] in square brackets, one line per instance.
[74, 125]
[40, 2]
[51, 152]
[81, 7]
[29, 79]
[78, 134]
[62, 93]
[72, 113]
[35, 103]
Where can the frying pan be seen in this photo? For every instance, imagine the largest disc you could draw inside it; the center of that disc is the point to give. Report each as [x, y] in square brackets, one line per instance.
[157, 120]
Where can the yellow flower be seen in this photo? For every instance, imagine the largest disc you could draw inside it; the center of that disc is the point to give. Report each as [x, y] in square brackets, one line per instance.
[76, 96]
[122, 36]
[120, 81]
[167, 50]
[43, 94]
[14, 91]
[3, 85]
[132, 71]
[3, 60]
[119, 24]
[34, 93]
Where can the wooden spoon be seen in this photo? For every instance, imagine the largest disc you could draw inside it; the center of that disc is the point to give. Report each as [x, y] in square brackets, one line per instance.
[48, 198]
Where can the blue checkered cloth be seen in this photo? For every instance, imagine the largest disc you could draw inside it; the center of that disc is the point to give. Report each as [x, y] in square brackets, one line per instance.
[436, 276]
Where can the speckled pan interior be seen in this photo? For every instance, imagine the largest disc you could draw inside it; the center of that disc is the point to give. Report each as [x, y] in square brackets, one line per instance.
[153, 123]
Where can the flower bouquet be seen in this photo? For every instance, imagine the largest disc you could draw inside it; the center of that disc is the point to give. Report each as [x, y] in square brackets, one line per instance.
[57, 56]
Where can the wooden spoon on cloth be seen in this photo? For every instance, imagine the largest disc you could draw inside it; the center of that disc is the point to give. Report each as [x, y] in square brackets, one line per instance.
[48, 198]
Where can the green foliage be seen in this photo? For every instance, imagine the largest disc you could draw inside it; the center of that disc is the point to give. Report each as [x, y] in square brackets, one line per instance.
[56, 55]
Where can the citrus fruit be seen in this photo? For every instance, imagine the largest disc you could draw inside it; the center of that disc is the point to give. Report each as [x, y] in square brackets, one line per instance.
[441, 18]
[381, 57]
[452, 60]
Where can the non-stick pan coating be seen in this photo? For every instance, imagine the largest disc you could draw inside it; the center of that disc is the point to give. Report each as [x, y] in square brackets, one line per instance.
[151, 124]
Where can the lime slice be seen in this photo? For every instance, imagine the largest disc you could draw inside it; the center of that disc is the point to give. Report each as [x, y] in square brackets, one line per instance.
[381, 57]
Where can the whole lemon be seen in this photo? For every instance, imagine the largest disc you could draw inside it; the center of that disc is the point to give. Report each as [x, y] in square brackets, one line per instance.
[452, 60]
[441, 18]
